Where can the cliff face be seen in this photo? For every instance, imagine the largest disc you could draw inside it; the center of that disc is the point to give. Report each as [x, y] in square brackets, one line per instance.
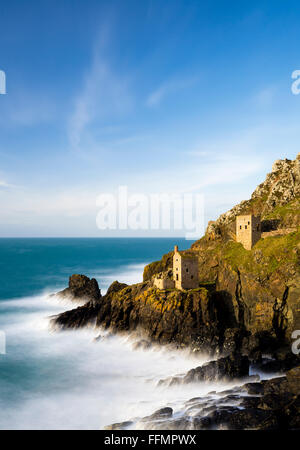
[189, 318]
[260, 289]
[248, 300]
[276, 200]
[262, 285]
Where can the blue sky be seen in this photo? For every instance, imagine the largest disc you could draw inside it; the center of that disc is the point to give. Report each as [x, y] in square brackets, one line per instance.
[160, 96]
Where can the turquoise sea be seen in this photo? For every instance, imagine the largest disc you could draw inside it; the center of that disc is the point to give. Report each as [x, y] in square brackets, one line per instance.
[67, 380]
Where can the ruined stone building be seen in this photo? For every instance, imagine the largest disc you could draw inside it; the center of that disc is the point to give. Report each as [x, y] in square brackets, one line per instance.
[163, 280]
[248, 230]
[184, 274]
[185, 270]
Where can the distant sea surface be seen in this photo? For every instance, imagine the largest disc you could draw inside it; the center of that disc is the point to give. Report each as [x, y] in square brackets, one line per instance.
[31, 266]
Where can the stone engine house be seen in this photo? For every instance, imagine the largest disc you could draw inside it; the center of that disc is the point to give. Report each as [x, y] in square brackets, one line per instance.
[248, 230]
[184, 274]
[185, 270]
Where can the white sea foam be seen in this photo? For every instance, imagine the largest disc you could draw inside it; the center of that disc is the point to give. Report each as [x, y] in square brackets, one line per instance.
[96, 383]
[72, 382]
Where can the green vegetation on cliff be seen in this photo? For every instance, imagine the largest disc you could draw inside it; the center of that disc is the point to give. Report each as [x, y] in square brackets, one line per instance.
[158, 266]
[267, 256]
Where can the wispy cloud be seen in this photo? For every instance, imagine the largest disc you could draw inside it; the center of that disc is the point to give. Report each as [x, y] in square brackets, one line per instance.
[265, 97]
[229, 170]
[168, 88]
[4, 184]
[38, 206]
[217, 162]
[104, 96]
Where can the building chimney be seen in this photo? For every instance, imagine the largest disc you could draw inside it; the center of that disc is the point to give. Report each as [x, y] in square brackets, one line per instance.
[176, 249]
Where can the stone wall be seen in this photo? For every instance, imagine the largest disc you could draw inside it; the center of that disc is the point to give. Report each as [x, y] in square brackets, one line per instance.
[256, 230]
[163, 283]
[248, 230]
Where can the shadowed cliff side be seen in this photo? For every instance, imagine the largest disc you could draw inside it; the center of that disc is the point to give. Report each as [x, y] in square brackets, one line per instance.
[184, 318]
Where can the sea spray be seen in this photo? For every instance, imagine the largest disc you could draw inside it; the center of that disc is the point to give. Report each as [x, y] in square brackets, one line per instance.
[75, 382]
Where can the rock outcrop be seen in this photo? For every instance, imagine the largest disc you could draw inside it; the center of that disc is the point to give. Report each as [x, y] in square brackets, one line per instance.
[81, 289]
[257, 291]
[183, 318]
[231, 367]
[265, 405]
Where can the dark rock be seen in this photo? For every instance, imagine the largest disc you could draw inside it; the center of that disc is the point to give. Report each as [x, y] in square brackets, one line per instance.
[254, 388]
[162, 413]
[278, 364]
[81, 288]
[271, 405]
[221, 416]
[275, 386]
[160, 419]
[233, 338]
[119, 426]
[250, 402]
[276, 401]
[201, 423]
[231, 367]
[181, 423]
[293, 379]
[252, 419]
[290, 416]
[143, 344]
[270, 366]
[82, 316]
[231, 391]
[116, 287]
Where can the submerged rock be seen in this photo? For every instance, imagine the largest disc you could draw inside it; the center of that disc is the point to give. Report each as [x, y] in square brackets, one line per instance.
[119, 425]
[231, 367]
[143, 344]
[266, 405]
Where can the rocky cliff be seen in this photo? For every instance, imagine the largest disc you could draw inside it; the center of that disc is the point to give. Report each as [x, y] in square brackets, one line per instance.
[247, 300]
[276, 200]
[184, 318]
[258, 291]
